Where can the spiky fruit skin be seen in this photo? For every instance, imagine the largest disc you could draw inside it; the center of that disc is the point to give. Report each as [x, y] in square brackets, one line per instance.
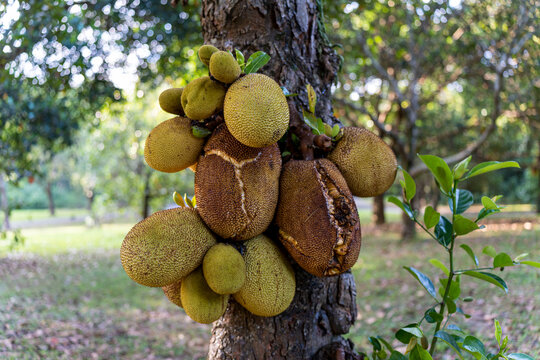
[270, 282]
[171, 147]
[172, 292]
[165, 247]
[366, 162]
[224, 67]
[170, 101]
[200, 302]
[256, 110]
[224, 269]
[237, 186]
[202, 98]
[317, 217]
[205, 53]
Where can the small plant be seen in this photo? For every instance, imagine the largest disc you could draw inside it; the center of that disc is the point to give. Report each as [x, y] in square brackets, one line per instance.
[448, 295]
[15, 238]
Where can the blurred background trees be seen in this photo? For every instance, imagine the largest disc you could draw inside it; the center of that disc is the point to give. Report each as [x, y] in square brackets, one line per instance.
[79, 83]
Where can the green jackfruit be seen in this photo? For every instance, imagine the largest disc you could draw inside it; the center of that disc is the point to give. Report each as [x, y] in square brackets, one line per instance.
[171, 147]
[270, 282]
[170, 101]
[256, 110]
[202, 97]
[172, 292]
[200, 302]
[165, 247]
[223, 67]
[224, 269]
[205, 53]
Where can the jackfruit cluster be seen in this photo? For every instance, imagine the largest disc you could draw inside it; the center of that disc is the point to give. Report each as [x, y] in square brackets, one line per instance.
[217, 247]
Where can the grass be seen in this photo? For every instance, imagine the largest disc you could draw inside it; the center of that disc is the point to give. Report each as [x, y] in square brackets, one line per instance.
[65, 295]
[37, 214]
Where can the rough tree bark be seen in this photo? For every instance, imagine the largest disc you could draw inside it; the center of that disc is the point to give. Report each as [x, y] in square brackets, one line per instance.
[323, 308]
[378, 210]
[50, 198]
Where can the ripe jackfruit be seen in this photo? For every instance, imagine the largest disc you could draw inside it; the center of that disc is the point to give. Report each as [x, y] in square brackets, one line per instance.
[270, 281]
[224, 269]
[205, 53]
[223, 67]
[170, 101]
[317, 217]
[172, 292]
[366, 162]
[202, 97]
[165, 247]
[171, 147]
[237, 186]
[256, 111]
[200, 302]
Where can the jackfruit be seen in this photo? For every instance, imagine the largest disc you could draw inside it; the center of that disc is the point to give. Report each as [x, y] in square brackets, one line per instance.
[200, 302]
[170, 101]
[317, 217]
[223, 67]
[202, 97]
[205, 53]
[165, 247]
[172, 292]
[270, 281]
[171, 147]
[256, 110]
[366, 162]
[224, 269]
[237, 186]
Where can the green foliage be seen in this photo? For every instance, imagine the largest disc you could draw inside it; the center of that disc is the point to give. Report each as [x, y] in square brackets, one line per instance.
[446, 233]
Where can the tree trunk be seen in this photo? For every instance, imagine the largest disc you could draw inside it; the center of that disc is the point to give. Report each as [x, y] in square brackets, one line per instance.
[323, 308]
[4, 205]
[378, 210]
[50, 198]
[145, 211]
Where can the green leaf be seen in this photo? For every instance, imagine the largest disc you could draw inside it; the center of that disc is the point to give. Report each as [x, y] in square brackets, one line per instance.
[463, 226]
[464, 199]
[521, 256]
[531, 263]
[490, 278]
[386, 343]
[256, 61]
[484, 213]
[406, 333]
[489, 251]
[447, 338]
[461, 168]
[406, 208]
[451, 306]
[440, 171]
[432, 316]
[327, 130]
[454, 327]
[488, 203]
[409, 186]
[419, 353]
[240, 59]
[431, 217]
[470, 251]
[502, 260]
[423, 279]
[178, 200]
[375, 342]
[312, 98]
[444, 231]
[320, 125]
[485, 167]
[498, 332]
[287, 93]
[453, 292]
[200, 132]
[438, 264]
[519, 356]
[335, 131]
[311, 120]
[474, 345]
[397, 356]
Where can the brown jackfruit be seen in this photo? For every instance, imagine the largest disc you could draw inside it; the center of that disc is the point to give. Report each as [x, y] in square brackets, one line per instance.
[165, 247]
[237, 186]
[270, 281]
[205, 53]
[170, 101]
[256, 110]
[368, 165]
[172, 292]
[224, 67]
[199, 301]
[317, 217]
[224, 269]
[202, 98]
[171, 147]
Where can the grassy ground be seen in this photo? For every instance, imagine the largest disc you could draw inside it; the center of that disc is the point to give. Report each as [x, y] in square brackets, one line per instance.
[65, 295]
[35, 214]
